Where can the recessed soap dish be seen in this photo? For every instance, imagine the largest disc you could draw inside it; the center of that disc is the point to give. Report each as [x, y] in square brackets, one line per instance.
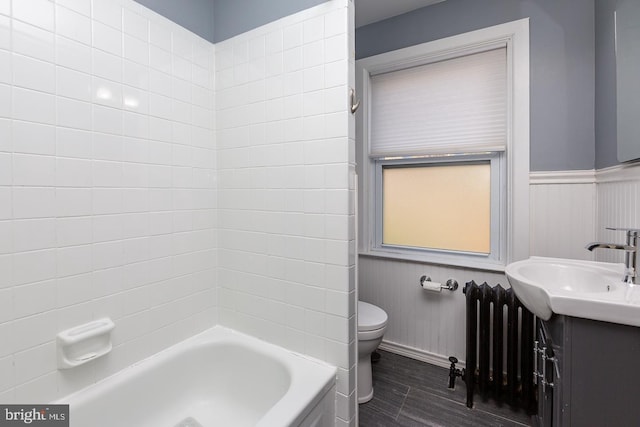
[83, 343]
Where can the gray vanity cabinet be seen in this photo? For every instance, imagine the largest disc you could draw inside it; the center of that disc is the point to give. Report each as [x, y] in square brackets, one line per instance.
[592, 373]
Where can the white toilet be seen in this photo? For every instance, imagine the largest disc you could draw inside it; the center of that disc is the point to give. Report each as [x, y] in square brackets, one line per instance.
[372, 322]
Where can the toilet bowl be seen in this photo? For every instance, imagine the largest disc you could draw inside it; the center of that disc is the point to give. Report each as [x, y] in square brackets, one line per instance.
[372, 322]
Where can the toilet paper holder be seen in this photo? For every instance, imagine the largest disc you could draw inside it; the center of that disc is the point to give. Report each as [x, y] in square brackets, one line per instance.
[450, 285]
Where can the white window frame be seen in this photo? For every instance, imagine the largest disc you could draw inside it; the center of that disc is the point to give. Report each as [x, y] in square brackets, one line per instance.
[514, 221]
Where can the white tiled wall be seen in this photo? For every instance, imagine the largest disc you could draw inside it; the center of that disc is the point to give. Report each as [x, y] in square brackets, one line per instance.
[107, 186]
[286, 193]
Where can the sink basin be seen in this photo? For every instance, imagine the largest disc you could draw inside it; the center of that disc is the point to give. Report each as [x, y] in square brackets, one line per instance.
[587, 289]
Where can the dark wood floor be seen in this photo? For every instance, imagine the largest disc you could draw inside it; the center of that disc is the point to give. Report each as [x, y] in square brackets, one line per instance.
[409, 393]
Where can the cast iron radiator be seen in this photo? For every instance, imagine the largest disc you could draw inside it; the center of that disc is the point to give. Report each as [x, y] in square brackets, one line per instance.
[509, 381]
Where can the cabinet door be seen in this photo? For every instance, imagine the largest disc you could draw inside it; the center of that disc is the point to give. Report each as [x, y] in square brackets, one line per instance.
[548, 378]
[604, 374]
[545, 394]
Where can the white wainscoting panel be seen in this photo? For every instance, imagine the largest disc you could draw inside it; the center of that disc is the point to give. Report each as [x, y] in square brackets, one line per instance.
[432, 323]
[563, 213]
[618, 202]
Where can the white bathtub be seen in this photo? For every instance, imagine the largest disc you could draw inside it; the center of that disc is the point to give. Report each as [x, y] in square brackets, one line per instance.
[217, 378]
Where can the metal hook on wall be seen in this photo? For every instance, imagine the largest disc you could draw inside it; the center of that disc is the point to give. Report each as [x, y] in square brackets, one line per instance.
[355, 104]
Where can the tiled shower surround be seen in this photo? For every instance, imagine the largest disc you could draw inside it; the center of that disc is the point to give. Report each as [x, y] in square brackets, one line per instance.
[132, 187]
[107, 197]
[285, 204]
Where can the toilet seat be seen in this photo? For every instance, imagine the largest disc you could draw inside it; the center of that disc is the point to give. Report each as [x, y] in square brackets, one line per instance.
[371, 335]
[370, 317]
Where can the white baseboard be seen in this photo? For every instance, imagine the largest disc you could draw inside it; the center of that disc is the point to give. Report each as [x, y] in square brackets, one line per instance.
[417, 354]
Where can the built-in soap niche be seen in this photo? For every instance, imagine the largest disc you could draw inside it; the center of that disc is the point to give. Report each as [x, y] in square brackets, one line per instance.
[84, 343]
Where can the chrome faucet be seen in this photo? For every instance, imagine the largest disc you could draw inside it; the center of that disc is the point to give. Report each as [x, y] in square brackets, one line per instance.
[630, 249]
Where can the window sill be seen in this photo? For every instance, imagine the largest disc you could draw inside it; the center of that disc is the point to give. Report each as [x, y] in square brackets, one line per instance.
[469, 263]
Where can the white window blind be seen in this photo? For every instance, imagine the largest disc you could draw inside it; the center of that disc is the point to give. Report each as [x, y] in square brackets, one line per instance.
[452, 106]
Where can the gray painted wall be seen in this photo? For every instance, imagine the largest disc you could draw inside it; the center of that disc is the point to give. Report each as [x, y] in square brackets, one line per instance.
[234, 17]
[195, 15]
[562, 49]
[231, 17]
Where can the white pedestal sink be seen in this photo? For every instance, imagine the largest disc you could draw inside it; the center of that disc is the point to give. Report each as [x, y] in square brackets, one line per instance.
[587, 289]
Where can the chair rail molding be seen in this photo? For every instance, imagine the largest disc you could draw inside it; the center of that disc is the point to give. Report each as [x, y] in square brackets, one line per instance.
[563, 177]
[619, 173]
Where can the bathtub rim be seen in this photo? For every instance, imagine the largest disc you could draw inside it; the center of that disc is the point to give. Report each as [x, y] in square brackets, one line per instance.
[299, 395]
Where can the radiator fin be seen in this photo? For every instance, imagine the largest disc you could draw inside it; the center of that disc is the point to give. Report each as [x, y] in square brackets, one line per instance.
[509, 380]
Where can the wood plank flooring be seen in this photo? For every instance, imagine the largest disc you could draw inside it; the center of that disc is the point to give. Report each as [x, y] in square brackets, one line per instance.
[410, 393]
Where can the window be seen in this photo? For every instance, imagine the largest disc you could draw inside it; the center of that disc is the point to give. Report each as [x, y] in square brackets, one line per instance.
[445, 148]
[409, 221]
[438, 205]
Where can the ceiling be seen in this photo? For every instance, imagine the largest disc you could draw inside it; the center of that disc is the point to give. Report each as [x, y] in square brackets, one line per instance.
[369, 11]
